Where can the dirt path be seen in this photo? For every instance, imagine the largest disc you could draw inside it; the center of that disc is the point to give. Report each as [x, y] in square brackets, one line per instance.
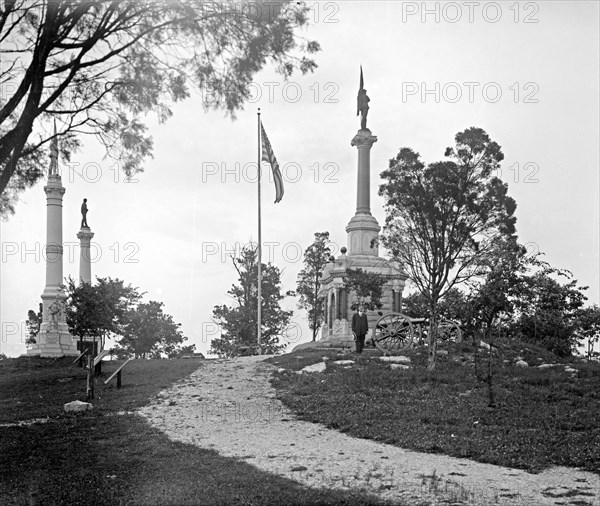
[229, 406]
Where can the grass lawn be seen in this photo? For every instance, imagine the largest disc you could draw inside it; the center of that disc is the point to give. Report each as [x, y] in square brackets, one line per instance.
[102, 458]
[541, 418]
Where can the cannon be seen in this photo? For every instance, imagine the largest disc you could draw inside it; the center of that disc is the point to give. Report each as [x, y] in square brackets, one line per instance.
[394, 332]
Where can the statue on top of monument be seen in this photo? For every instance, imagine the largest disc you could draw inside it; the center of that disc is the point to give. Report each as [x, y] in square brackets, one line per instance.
[362, 103]
[84, 211]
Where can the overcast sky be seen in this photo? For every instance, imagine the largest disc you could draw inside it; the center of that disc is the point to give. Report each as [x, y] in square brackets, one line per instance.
[526, 73]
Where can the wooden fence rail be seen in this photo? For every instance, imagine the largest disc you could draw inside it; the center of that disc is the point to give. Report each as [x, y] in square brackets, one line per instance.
[117, 373]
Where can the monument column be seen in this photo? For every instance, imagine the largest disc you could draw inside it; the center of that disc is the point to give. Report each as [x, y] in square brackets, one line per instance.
[363, 251]
[363, 229]
[85, 267]
[363, 140]
[54, 339]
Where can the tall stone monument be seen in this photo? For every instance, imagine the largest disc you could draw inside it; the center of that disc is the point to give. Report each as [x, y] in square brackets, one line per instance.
[363, 250]
[85, 236]
[54, 339]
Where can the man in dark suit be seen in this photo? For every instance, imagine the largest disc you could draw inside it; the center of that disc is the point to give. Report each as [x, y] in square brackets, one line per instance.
[360, 327]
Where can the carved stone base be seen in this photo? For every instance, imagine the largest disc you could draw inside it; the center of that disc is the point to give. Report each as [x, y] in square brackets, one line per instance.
[363, 231]
[54, 339]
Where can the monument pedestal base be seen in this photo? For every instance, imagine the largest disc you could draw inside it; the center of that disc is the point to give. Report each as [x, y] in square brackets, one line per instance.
[53, 339]
[53, 343]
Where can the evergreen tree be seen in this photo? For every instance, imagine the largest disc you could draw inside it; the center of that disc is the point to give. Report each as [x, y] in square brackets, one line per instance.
[238, 322]
[309, 281]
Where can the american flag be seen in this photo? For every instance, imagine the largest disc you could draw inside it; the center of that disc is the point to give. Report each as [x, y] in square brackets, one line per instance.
[269, 156]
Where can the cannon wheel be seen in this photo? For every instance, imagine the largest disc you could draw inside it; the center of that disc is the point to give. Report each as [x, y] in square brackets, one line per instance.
[393, 332]
[449, 330]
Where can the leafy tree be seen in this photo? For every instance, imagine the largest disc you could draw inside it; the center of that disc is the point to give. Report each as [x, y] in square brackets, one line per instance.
[99, 67]
[33, 324]
[548, 312]
[366, 285]
[453, 306]
[99, 311]
[3, 356]
[442, 219]
[589, 329]
[309, 281]
[238, 322]
[150, 333]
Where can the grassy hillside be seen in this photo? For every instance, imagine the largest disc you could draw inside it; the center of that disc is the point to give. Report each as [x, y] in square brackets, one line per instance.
[110, 457]
[539, 418]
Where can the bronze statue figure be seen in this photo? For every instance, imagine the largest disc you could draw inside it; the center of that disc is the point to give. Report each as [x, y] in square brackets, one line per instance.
[362, 103]
[84, 210]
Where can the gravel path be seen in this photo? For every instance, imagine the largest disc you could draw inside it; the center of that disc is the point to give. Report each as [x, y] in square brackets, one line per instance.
[229, 406]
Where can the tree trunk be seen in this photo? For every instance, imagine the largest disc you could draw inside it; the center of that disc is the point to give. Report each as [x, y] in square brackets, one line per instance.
[488, 339]
[432, 339]
[315, 310]
[12, 143]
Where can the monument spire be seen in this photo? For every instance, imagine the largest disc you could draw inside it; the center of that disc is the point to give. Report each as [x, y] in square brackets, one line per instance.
[362, 252]
[363, 228]
[54, 339]
[54, 153]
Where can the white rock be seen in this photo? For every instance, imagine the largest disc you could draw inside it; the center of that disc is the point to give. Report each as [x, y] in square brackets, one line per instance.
[521, 363]
[343, 362]
[318, 367]
[399, 366]
[400, 359]
[570, 369]
[484, 345]
[547, 366]
[77, 406]
[325, 359]
[442, 352]
[280, 370]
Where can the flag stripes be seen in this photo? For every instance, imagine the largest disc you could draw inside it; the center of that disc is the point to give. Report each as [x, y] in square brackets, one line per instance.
[269, 157]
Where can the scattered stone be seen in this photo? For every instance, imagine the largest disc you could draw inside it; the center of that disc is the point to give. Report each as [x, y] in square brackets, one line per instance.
[318, 367]
[343, 362]
[299, 468]
[400, 359]
[546, 366]
[484, 345]
[570, 370]
[521, 363]
[77, 406]
[442, 352]
[399, 366]
[281, 370]
[325, 359]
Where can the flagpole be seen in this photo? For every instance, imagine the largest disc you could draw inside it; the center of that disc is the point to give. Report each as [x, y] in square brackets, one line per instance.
[259, 315]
